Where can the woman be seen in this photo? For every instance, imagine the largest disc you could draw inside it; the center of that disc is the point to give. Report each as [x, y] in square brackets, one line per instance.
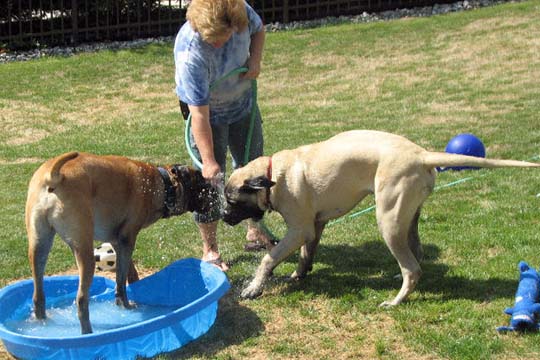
[218, 37]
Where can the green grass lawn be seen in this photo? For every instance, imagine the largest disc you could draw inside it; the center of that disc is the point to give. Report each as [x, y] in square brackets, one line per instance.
[428, 79]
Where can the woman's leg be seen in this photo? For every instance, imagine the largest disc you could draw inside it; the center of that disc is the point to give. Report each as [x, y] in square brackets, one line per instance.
[208, 222]
[257, 238]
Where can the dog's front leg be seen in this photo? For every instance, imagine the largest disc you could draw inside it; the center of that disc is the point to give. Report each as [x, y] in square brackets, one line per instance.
[307, 252]
[124, 251]
[292, 241]
[133, 275]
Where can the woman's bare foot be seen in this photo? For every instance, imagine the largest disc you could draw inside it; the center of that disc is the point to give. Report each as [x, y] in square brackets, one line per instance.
[215, 259]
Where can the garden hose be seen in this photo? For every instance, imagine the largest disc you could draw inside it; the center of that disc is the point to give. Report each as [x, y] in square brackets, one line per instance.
[251, 123]
[249, 134]
[248, 147]
[451, 184]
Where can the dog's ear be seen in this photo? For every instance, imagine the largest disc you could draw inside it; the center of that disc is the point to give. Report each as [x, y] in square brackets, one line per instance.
[256, 184]
[185, 173]
[178, 171]
[182, 170]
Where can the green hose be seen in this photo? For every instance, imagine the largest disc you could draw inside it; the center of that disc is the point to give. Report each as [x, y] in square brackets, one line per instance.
[249, 135]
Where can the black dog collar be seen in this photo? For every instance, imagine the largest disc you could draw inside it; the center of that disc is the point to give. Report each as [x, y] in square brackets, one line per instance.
[170, 193]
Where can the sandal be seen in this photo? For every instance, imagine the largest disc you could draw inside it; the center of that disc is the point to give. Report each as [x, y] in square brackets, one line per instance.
[218, 263]
[254, 246]
[257, 245]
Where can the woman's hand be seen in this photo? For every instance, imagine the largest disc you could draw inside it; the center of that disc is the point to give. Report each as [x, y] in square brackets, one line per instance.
[211, 171]
[255, 57]
[254, 69]
[202, 132]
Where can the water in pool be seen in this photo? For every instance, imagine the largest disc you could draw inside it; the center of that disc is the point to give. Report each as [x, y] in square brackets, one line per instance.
[62, 320]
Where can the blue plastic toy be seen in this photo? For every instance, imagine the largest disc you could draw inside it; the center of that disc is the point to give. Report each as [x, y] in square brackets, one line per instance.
[524, 314]
[465, 144]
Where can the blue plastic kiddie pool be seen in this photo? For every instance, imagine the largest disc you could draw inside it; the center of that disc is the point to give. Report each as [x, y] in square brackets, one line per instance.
[174, 306]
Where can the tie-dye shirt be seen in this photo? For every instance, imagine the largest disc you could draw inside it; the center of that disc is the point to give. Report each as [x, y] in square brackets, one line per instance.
[199, 64]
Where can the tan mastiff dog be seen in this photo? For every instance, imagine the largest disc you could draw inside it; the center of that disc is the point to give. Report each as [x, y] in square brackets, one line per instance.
[83, 197]
[315, 183]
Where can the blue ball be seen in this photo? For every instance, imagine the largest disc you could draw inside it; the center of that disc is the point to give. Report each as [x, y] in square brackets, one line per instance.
[466, 144]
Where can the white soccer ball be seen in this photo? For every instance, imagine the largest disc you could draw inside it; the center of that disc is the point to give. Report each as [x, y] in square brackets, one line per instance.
[105, 257]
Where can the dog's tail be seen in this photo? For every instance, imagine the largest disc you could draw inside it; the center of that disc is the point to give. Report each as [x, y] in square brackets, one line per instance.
[54, 177]
[440, 159]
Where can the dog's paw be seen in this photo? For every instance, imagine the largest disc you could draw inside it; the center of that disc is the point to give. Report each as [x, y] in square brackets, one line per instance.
[39, 312]
[296, 276]
[387, 304]
[126, 304]
[251, 292]
[131, 305]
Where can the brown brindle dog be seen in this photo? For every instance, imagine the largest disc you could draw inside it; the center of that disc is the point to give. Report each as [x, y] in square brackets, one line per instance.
[315, 183]
[82, 197]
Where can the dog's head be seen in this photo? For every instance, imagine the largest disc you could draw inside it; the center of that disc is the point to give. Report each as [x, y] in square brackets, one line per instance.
[246, 195]
[193, 192]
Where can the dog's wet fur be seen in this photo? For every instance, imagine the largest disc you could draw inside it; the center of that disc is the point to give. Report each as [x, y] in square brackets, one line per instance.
[84, 197]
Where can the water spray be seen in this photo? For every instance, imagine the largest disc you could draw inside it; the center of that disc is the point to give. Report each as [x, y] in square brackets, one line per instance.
[247, 149]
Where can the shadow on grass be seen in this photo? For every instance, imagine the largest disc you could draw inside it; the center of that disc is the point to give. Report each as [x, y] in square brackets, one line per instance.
[234, 324]
[342, 270]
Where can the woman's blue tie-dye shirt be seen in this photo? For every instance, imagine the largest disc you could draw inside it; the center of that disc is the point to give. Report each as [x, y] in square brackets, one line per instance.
[199, 64]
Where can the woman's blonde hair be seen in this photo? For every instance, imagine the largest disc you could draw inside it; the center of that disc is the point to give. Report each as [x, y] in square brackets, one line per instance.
[215, 18]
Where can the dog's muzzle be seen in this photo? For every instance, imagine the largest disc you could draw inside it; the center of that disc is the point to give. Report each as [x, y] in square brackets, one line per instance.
[235, 213]
[198, 194]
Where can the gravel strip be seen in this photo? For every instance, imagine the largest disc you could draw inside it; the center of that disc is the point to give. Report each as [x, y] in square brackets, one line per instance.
[272, 27]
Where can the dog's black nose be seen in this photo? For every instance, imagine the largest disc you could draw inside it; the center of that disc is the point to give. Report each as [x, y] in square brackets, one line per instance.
[233, 215]
[229, 218]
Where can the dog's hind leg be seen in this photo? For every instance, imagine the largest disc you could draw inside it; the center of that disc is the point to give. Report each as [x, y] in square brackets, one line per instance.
[307, 252]
[414, 238]
[84, 255]
[395, 236]
[77, 231]
[40, 241]
[397, 210]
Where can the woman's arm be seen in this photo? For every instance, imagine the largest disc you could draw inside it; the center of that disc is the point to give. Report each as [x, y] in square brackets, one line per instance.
[202, 132]
[255, 55]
